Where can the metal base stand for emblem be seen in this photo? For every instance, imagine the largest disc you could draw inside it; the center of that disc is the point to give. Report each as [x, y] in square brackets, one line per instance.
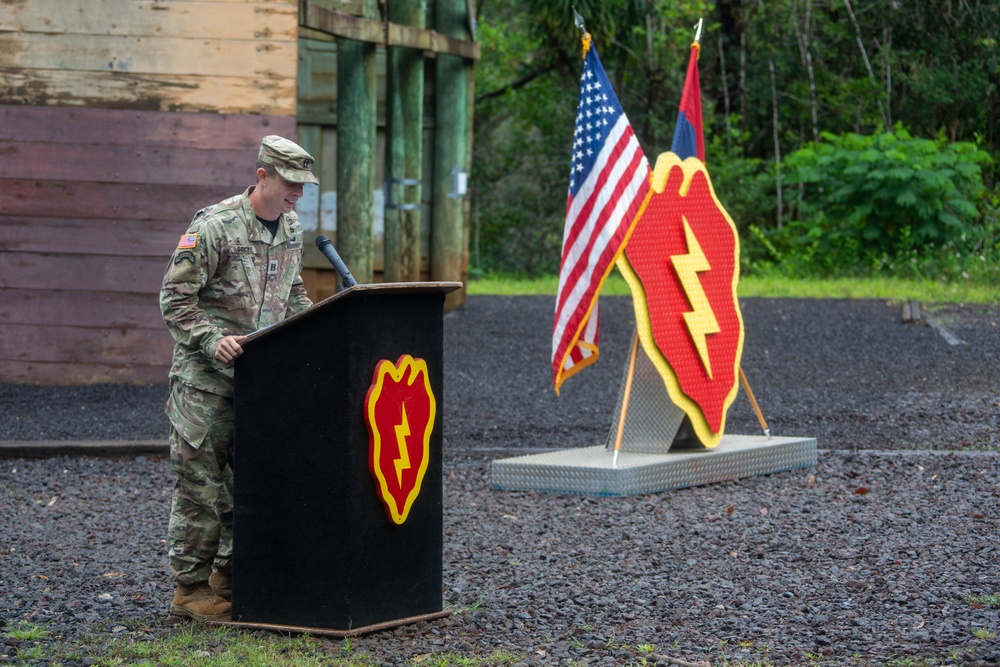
[657, 452]
[589, 470]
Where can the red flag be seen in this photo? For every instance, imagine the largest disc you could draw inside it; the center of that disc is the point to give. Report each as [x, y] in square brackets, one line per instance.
[609, 180]
[689, 140]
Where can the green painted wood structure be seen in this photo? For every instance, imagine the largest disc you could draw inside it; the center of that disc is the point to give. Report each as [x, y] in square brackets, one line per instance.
[386, 107]
[404, 149]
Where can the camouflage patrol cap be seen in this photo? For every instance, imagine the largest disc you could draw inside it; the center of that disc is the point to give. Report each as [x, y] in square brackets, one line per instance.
[293, 163]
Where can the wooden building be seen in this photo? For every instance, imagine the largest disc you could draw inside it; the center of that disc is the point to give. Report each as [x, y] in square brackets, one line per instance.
[121, 118]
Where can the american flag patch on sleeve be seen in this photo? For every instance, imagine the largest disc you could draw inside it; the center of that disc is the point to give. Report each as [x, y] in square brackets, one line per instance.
[188, 241]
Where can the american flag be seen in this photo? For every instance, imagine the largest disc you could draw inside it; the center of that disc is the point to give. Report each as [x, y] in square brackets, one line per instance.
[188, 241]
[608, 183]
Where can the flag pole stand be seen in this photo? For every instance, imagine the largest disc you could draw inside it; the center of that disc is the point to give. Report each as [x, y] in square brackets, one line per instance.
[625, 398]
[753, 402]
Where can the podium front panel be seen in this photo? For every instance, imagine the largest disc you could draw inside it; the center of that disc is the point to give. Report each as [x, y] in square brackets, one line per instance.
[313, 545]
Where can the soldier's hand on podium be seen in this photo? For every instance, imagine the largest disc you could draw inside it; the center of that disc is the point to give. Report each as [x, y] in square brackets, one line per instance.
[229, 348]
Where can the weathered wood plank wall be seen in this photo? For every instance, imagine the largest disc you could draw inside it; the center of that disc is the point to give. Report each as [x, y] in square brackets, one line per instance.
[118, 120]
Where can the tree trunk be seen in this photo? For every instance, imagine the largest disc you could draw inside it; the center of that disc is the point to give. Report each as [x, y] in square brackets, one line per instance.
[729, 29]
[868, 65]
[887, 37]
[803, 35]
[777, 135]
[725, 85]
[743, 78]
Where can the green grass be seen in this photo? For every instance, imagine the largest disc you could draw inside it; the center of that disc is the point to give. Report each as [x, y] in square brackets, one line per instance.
[26, 631]
[215, 646]
[205, 646]
[992, 600]
[897, 289]
[166, 643]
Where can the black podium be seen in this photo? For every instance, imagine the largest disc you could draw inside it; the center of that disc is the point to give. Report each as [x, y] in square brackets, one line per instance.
[314, 546]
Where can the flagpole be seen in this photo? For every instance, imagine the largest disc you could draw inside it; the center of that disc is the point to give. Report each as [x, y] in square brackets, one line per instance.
[753, 402]
[625, 398]
[584, 35]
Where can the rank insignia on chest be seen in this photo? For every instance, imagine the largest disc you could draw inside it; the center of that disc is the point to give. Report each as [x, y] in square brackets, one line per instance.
[188, 241]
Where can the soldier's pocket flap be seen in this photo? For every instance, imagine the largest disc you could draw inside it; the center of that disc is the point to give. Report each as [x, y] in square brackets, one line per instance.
[251, 272]
[185, 415]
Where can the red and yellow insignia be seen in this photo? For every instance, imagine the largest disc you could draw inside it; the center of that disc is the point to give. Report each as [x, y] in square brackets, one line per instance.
[682, 266]
[399, 411]
[188, 241]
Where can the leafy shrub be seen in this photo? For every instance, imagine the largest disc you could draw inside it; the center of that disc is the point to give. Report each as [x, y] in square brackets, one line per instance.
[881, 200]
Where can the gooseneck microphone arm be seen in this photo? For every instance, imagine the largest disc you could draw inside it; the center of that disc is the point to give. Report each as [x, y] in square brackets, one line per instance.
[326, 247]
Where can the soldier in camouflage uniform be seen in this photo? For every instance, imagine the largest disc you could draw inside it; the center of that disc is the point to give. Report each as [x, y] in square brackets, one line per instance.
[236, 270]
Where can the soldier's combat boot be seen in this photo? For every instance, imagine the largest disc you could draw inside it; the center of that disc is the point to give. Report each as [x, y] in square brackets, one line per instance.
[222, 584]
[199, 602]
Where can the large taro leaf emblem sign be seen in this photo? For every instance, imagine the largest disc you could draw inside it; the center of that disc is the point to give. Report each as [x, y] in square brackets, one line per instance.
[399, 411]
[682, 266]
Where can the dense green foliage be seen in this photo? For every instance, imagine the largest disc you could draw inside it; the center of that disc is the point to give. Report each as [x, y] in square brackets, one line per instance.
[870, 202]
[843, 136]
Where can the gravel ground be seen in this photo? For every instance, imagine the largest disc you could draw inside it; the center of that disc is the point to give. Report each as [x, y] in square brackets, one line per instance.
[885, 553]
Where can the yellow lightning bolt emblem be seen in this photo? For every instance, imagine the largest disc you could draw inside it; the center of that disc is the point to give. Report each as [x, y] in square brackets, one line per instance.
[700, 319]
[402, 462]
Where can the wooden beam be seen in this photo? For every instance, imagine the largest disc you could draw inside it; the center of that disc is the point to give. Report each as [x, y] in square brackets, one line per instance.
[217, 21]
[451, 155]
[356, 146]
[43, 314]
[351, 7]
[324, 20]
[404, 150]
[269, 60]
[66, 373]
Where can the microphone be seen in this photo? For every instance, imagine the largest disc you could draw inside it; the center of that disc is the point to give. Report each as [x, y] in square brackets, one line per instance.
[326, 247]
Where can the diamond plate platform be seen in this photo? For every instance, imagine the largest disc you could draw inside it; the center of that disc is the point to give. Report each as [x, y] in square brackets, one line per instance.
[589, 470]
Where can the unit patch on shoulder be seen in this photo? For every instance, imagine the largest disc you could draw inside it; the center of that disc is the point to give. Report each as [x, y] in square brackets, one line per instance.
[188, 241]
